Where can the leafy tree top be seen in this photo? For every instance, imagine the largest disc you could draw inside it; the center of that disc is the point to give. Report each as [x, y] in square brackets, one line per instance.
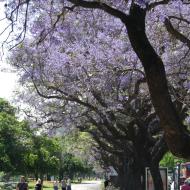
[124, 28]
[6, 107]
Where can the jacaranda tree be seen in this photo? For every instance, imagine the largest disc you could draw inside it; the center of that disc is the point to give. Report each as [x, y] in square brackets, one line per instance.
[133, 20]
[88, 56]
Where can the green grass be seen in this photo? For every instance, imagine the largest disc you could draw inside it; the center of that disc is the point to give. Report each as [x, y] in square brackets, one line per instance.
[47, 185]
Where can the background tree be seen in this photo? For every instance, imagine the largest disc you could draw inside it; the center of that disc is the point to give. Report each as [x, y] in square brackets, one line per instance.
[171, 161]
[30, 152]
[43, 158]
[13, 140]
[22, 151]
[72, 166]
[79, 144]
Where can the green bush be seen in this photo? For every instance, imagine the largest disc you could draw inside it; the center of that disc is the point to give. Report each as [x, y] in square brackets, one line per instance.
[7, 186]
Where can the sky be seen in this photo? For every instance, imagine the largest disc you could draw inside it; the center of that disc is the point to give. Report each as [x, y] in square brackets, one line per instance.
[7, 77]
[8, 81]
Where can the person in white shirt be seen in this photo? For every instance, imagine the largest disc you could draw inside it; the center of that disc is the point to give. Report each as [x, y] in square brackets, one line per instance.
[69, 184]
[56, 185]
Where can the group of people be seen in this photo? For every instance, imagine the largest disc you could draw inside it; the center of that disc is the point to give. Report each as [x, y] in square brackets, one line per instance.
[23, 185]
[65, 184]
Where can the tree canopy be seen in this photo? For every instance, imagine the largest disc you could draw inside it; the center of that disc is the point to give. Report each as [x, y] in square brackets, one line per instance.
[113, 32]
[115, 69]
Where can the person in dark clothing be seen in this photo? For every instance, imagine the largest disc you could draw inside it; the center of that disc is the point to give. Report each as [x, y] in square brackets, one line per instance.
[38, 185]
[68, 184]
[63, 184]
[56, 185]
[106, 182]
[22, 185]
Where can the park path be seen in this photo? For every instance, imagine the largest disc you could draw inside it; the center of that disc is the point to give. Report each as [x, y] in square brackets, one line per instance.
[89, 185]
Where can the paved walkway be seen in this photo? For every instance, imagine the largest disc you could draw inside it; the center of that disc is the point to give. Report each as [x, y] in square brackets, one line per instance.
[89, 185]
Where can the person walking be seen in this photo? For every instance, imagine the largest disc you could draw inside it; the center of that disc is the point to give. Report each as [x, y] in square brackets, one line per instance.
[22, 185]
[38, 185]
[68, 184]
[56, 185]
[63, 184]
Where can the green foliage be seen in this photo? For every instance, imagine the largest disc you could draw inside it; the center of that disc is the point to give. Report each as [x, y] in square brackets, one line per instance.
[78, 144]
[12, 139]
[43, 157]
[71, 165]
[5, 107]
[76, 151]
[25, 151]
[21, 150]
[170, 161]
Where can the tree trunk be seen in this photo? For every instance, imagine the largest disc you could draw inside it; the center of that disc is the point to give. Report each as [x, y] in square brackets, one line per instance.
[177, 138]
[157, 180]
[42, 178]
[129, 177]
[48, 177]
[133, 181]
[60, 174]
[36, 176]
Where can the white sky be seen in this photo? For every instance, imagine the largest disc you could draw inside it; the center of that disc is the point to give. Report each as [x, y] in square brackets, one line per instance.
[7, 82]
[7, 77]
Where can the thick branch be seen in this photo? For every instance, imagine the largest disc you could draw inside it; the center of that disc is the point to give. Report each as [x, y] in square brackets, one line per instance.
[176, 33]
[177, 138]
[105, 146]
[157, 3]
[159, 150]
[98, 5]
[63, 95]
[97, 95]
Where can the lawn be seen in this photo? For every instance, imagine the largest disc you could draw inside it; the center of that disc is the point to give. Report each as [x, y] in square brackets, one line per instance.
[47, 185]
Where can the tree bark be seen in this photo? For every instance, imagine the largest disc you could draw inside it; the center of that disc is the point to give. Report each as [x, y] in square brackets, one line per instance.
[42, 178]
[130, 181]
[36, 176]
[176, 136]
[129, 176]
[157, 180]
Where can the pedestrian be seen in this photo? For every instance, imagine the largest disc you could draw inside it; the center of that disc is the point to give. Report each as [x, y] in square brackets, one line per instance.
[63, 184]
[68, 184]
[22, 185]
[106, 182]
[185, 186]
[38, 185]
[79, 179]
[56, 185]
